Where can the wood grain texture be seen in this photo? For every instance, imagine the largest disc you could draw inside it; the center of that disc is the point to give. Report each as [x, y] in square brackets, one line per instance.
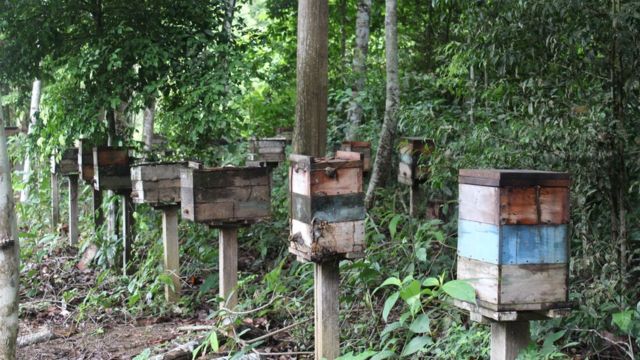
[85, 161]
[500, 177]
[228, 263]
[534, 205]
[171, 252]
[342, 181]
[127, 234]
[363, 147]
[482, 276]
[67, 164]
[338, 208]
[156, 184]
[111, 169]
[327, 240]
[533, 284]
[479, 241]
[508, 339]
[479, 203]
[73, 209]
[55, 202]
[327, 310]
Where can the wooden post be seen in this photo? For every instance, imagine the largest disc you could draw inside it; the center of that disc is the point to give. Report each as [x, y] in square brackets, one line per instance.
[98, 215]
[327, 308]
[171, 254]
[55, 202]
[228, 266]
[414, 200]
[73, 209]
[508, 338]
[127, 232]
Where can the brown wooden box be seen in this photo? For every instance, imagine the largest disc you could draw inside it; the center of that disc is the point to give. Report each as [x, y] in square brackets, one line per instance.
[266, 151]
[68, 163]
[85, 161]
[363, 147]
[513, 244]
[225, 196]
[11, 130]
[413, 152]
[111, 169]
[326, 207]
[157, 184]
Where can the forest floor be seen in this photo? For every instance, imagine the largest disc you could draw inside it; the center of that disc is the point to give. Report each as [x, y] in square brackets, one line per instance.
[52, 294]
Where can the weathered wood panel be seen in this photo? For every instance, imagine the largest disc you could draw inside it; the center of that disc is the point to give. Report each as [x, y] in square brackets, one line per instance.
[479, 241]
[533, 284]
[157, 184]
[412, 153]
[524, 178]
[323, 241]
[68, 163]
[362, 147]
[534, 205]
[479, 203]
[482, 276]
[111, 169]
[337, 208]
[336, 181]
[85, 161]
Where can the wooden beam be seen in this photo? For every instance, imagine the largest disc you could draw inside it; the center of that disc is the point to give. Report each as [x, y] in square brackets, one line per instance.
[73, 209]
[508, 338]
[228, 256]
[127, 233]
[327, 309]
[171, 252]
[55, 202]
[98, 214]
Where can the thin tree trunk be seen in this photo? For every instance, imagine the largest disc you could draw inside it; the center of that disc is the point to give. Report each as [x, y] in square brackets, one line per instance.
[9, 258]
[33, 109]
[310, 132]
[359, 67]
[112, 210]
[389, 126]
[147, 126]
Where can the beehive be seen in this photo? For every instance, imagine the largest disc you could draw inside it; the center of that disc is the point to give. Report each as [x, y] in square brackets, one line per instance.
[225, 196]
[157, 184]
[363, 147]
[266, 151]
[414, 151]
[111, 169]
[327, 207]
[512, 238]
[11, 130]
[68, 163]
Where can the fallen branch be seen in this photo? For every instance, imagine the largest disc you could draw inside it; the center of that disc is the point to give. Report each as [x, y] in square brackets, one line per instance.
[183, 351]
[36, 338]
[268, 335]
[196, 328]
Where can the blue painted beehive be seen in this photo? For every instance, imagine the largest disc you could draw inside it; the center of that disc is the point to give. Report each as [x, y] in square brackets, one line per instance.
[512, 238]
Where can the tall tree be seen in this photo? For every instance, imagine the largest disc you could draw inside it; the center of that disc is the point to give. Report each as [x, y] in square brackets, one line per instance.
[390, 124]
[359, 67]
[9, 257]
[34, 109]
[310, 132]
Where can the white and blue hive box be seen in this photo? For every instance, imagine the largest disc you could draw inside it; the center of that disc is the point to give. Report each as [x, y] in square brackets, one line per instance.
[512, 238]
[326, 207]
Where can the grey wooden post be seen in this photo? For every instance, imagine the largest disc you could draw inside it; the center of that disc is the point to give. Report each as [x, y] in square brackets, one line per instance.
[73, 209]
[508, 338]
[228, 262]
[171, 252]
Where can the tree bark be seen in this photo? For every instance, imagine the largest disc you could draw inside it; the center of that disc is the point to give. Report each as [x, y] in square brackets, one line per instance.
[389, 126]
[147, 125]
[33, 109]
[9, 259]
[310, 132]
[359, 67]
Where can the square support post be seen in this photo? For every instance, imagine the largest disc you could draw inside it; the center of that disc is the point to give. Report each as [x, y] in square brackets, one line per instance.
[327, 309]
[55, 202]
[127, 233]
[73, 209]
[228, 260]
[508, 339]
[171, 252]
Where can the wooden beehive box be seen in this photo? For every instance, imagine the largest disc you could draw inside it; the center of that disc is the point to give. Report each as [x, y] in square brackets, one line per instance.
[286, 133]
[512, 238]
[85, 161]
[266, 151]
[363, 147]
[225, 196]
[11, 130]
[157, 184]
[111, 169]
[68, 163]
[413, 152]
[326, 207]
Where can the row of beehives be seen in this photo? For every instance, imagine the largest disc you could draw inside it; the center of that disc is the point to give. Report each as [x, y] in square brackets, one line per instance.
[512, 228]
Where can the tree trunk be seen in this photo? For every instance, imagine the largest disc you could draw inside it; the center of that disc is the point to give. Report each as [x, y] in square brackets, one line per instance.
[359, 67]
[310, 132]
[112, 210]
[9, 259]
[389, 126]
[33, 109]
[147, 125]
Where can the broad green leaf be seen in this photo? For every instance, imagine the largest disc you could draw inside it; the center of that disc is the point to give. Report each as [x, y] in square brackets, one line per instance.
[416, 344]
[383, 355]
[390, 327]
[388, 305]
[421, 254]
[362, 356]
[393, 225]
[430, 281]
[547, 346]
[623, 320]
[420, 324]
[392, 281]
[213, 341]
[461, 290]
[410, 290]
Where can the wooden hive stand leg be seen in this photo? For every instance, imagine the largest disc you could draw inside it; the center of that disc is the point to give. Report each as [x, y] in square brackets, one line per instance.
[228, 259]
[73, 209]
[127, 233]
[508, 338]
[171, 252]
[414, 200]
[98, 215]
[55, 202]
[327, 308]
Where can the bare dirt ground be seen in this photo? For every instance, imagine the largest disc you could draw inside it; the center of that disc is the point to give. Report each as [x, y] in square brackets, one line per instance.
[52, 292]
